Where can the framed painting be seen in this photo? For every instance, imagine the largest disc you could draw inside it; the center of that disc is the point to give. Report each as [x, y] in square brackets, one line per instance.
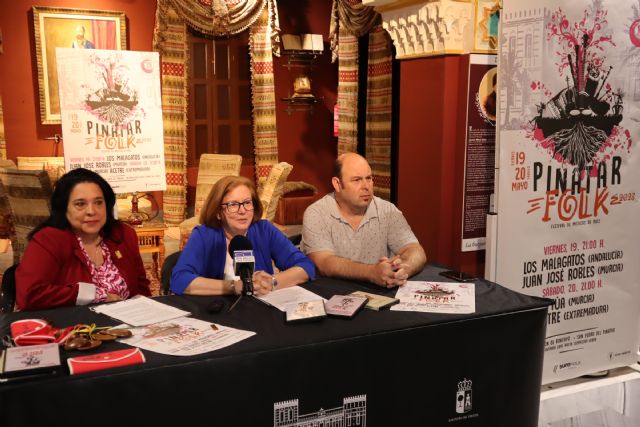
[72, 28]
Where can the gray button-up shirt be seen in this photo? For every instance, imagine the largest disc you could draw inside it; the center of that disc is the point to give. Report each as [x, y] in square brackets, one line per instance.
[383, 231]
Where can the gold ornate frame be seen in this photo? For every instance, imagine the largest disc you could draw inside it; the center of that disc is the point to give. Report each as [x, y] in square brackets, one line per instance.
[55, 27]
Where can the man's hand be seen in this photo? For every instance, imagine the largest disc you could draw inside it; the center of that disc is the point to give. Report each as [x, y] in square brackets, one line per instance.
[390, 272]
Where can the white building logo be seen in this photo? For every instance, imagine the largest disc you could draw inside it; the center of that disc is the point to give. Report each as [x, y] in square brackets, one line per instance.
[353, 412]
[463, 397]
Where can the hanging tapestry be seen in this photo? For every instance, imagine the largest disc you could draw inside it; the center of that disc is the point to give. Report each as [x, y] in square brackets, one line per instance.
[347, 93]
[263, 99]
[3, 142]
[350, 20]
[378, 127]
[170, 39]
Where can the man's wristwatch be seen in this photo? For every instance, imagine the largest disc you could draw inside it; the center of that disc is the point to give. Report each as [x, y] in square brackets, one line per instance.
[274, 282]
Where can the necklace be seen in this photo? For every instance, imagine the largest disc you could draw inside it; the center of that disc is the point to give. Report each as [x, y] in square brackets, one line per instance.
[98, 254]
[95, 253]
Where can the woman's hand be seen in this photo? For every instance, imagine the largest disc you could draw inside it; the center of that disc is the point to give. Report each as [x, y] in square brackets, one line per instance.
[262, 283]
[113, 297]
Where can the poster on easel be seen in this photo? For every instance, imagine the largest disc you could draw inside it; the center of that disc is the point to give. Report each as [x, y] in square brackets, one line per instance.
[480, 147]
[568, 185]
[111, 112]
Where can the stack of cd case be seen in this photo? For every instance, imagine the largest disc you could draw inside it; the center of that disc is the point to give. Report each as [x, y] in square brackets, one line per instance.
[345, 305]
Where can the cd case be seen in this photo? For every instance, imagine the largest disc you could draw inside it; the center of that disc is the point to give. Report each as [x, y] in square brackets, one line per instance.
[345, 305]
[305, 311]
[31, 359]
[376, 302]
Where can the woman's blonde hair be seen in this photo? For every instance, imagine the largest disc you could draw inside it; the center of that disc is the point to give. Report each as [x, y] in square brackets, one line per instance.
[212, 210]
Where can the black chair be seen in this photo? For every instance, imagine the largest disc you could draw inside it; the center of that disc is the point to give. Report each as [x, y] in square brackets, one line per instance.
[165, 274]
[8, 290]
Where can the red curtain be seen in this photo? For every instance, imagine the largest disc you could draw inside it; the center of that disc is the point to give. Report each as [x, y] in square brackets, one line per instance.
[104, 34]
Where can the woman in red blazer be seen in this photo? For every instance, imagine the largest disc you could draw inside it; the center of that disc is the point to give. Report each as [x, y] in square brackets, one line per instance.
[81, 254]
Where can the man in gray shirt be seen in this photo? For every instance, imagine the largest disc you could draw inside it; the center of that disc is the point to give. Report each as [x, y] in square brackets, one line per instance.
[351, 233]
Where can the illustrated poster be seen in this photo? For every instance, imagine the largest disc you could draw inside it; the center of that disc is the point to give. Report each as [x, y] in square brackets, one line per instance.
[112, 116]
[569, 179]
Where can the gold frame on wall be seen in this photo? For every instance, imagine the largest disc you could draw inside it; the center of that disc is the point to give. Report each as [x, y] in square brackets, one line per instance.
[55, 27]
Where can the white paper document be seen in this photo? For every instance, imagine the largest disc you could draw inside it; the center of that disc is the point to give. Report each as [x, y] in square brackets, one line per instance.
[185, 336]
[140, 311]
[436, 297]
[282, 298]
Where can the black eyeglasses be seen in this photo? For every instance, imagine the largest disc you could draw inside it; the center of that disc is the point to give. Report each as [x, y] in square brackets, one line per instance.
[233, 207]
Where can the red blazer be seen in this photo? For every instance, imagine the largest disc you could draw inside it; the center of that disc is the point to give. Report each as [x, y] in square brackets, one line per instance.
[53, 264]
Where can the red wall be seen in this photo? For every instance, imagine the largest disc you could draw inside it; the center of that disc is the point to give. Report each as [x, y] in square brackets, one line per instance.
[304, 140]
[432, 122]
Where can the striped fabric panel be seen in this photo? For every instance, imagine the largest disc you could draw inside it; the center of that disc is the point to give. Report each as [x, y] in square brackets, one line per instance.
[170, 39]
[263, 98]
[379, 99]
[28, 193]
[3, 142]
[347, 93]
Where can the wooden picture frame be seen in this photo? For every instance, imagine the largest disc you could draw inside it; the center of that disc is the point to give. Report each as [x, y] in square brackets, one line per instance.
[58, 27]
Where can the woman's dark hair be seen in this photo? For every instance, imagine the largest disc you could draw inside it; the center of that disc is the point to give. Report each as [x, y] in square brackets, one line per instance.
[60, 201]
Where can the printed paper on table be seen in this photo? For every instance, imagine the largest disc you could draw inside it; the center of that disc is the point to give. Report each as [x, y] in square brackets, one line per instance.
[436, 297]
[140, 311]
[185, 336]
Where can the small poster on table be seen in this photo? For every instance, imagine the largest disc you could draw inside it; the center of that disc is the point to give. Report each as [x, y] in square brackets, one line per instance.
[436, 297]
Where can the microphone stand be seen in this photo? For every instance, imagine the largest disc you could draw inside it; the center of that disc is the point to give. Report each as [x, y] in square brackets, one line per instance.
[235, 302]
[247, 289]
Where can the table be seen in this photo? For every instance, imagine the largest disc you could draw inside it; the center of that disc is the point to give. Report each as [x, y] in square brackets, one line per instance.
[612, 400]
[151, 241]
[381, 368]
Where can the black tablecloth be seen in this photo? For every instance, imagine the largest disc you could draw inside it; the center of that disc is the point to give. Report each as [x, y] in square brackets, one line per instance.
[381, 368]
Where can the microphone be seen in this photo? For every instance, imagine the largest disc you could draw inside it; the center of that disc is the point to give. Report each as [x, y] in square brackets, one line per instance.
[241, 250]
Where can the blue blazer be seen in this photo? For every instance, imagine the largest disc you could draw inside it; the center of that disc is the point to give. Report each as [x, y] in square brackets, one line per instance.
[205, 253]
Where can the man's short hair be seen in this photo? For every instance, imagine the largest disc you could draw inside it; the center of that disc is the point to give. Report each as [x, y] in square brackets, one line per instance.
[337, 167]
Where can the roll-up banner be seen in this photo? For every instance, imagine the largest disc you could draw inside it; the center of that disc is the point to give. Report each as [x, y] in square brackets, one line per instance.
[568, 188]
